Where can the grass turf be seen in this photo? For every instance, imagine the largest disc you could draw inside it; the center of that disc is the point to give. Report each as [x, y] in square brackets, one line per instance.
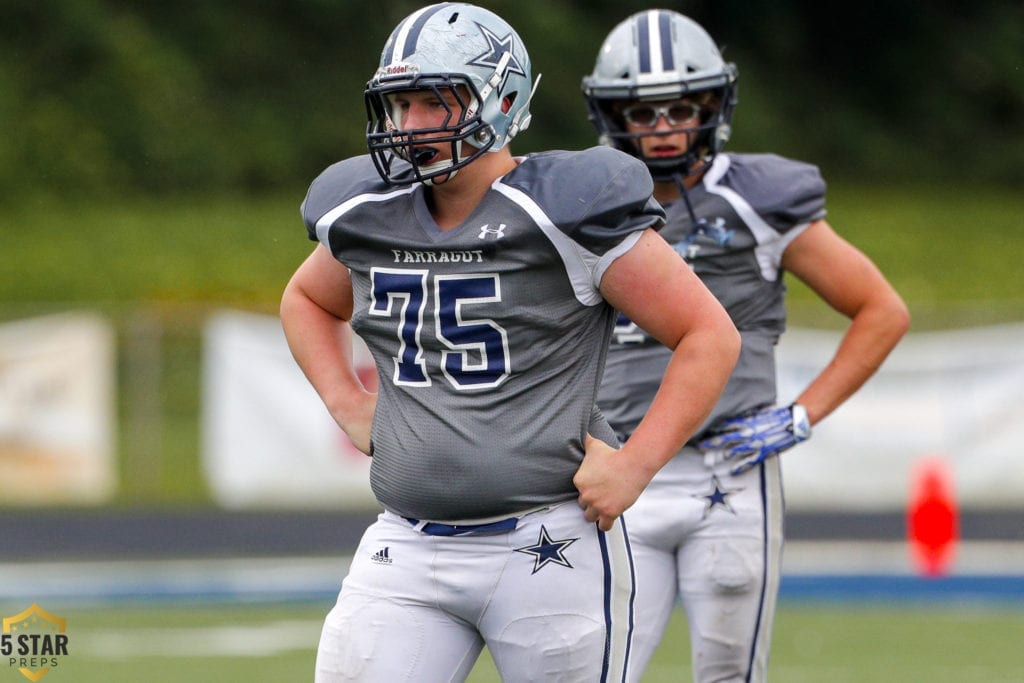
[905, 643]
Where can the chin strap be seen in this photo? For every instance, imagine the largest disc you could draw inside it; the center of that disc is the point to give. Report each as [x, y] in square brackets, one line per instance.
[493, 82]
[697, 225]
[486, 134]
[516, 126]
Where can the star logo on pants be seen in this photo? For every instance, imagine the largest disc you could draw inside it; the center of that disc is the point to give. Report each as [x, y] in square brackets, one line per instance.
[546, 550]
[717, 497]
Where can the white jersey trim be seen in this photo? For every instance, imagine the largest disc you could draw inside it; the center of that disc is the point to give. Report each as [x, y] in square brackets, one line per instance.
[324, 223]
[770, 246]
[621, 248]
[787, 239]
[582, 266]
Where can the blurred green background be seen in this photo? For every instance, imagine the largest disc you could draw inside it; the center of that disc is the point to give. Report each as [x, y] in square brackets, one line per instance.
[153, 157]
[116, 97]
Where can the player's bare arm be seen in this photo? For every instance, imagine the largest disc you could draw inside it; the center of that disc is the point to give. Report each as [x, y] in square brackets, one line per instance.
[848, 281]
[658, 291]
[315, 310]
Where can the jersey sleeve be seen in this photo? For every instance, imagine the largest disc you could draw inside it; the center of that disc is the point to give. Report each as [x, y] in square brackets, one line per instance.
[597, 197]
[337, 183]
[785, 193]
[314, 205]
[618, 202]
[592, 206]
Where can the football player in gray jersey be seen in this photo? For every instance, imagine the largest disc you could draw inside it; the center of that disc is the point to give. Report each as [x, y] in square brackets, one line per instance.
[708, 529]
[486, 288]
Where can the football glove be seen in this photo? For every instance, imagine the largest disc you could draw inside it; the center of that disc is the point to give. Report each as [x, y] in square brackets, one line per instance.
[752, 438]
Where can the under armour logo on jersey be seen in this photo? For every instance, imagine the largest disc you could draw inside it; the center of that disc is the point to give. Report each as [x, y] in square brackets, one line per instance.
[486, 230]
[546, 551]
[382, 556]
[717, 497]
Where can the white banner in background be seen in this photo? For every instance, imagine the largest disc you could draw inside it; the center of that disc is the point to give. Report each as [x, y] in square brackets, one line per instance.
[267, 438]
[57, 410]
[956, 396]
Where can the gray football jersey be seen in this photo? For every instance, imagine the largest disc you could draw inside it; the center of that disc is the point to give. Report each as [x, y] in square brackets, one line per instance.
[490, 338]
[753, 206]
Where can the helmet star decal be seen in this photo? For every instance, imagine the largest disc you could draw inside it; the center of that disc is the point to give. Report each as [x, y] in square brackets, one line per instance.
[497, 47]
[546, 551]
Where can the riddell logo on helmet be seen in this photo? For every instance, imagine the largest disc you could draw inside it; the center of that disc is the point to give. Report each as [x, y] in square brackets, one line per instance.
[399, 69]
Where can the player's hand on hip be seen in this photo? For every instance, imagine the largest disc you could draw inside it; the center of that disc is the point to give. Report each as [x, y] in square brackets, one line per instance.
[606, 485]
[750, 439]
[358, 421]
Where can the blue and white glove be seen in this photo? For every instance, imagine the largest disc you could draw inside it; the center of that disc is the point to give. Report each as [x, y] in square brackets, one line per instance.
[758, 436]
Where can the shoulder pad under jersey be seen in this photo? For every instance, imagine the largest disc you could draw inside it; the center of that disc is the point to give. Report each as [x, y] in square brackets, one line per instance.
[784, 192]
[336, 184]
[596, 196]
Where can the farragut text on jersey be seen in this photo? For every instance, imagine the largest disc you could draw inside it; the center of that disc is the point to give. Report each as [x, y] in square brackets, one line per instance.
[467, 256]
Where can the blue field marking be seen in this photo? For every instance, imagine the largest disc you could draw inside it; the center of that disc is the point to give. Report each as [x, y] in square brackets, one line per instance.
[1000, 589]
[319, 579]
[245, 580]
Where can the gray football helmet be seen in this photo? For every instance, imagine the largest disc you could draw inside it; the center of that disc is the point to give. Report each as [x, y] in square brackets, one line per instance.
[659, 55]
[461, 50]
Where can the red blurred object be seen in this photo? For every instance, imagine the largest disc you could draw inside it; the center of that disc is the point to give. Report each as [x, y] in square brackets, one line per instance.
[933, 526]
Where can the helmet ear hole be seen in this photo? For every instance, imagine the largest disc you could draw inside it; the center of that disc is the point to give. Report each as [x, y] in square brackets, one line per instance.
[507, 102]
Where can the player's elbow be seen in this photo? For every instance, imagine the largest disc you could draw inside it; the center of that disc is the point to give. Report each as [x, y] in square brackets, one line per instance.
[297, 309]
[722, 340]
[892, 317]
[289, 302]
[729, 342]
[900, 316]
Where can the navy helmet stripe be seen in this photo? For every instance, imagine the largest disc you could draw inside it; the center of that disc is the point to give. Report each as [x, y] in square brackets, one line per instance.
[643, 43]
[665, 29]
[417, 26]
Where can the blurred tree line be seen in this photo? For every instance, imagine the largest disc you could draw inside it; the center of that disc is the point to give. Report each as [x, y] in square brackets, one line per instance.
[116, 97]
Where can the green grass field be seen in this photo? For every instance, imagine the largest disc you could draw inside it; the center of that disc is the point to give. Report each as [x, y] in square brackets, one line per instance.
[813, 643]
[948, 249]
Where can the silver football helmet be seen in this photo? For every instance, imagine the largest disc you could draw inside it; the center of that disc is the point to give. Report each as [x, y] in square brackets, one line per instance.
[660, 55]
[467, 53]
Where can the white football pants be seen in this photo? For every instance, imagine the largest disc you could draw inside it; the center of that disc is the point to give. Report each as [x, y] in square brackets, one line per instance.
[551, 599]
[714, 542]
